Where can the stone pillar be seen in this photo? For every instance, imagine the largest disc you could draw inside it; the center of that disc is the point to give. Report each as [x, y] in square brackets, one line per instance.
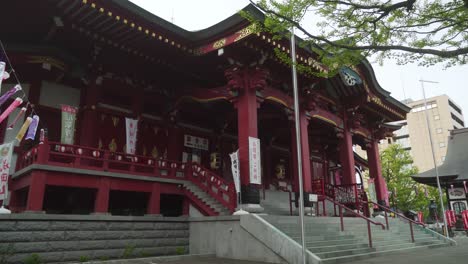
[246, 82]
[154, 203]
[89, 116]
[375, 171]
[101, 203]
[305, 149]
[36, 192]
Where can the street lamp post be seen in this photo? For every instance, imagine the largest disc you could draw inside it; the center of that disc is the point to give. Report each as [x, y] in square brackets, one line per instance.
[298, 145]
[433, 155]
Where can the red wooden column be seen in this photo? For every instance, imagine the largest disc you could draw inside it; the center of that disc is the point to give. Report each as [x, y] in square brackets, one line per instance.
[246, 82]
[375, 171]
[88, 125]
[101, 203]
[36, 191]
[305, 149]
[154, 205]
[347, 154]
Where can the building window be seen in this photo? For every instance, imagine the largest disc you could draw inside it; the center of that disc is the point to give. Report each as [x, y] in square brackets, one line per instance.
[436, 117]
[439, 130]
[389, 141]
[458, 120]
[441, 144]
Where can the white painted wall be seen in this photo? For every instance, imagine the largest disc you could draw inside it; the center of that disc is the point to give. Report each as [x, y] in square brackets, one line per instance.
[193, 212]
[53, 95]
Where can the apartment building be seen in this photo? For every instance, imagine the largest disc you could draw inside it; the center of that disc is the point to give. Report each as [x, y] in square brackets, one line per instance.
[444, 115]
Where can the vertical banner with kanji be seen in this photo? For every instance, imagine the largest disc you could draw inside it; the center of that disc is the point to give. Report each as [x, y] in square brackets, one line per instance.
[254, 161]
[5, 161]
[131, 128]
[371, 190]
[235, 169]
[68, 124]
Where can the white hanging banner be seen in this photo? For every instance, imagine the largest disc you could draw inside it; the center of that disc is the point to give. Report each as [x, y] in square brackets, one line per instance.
[254, 161]
[131, 128]
[235, 169]
[5, 163]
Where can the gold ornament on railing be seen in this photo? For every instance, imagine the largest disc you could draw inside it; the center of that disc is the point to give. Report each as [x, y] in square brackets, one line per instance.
[154, 152]
[113, 145]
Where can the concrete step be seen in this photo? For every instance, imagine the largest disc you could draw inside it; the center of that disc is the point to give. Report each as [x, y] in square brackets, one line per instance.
[345, 259]
[405, 245]
[329, 248]
[333, 242]
[339, 253]
[322, 238]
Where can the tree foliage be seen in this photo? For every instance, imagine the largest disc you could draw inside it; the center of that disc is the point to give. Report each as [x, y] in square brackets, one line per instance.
[425, 31]
[407, 194]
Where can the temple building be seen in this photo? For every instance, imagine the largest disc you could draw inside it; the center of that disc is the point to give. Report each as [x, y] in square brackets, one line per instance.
[197, 97]
[452, 173]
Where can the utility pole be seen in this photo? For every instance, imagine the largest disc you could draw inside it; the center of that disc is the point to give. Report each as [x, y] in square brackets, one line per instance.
[433, 156]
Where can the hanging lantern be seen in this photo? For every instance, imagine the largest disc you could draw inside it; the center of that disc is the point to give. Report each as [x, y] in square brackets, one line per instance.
[42, 136]
[23, 129]
[280, 170]
[10, 108]
[215, 160]
[21, 112]
[33, 128]
[9, 94]
[3, 74]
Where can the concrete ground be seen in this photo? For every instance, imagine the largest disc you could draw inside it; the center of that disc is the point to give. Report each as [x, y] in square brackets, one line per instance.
[445, 255]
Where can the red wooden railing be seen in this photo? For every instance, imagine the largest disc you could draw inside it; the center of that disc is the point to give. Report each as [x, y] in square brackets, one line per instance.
[80, 157]
[216, 186]
[347, 194]
[369, 221]
[404, 218]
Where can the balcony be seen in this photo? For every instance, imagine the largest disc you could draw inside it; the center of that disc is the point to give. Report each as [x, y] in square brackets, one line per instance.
[99, 162]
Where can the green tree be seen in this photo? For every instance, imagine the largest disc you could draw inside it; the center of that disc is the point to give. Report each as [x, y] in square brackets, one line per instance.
[397, 169]
[429, 31]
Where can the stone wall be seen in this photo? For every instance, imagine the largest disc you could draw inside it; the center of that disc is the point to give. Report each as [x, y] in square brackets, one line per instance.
[64, 238]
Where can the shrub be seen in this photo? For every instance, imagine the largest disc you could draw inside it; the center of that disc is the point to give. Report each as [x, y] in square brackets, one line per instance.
[33, 259]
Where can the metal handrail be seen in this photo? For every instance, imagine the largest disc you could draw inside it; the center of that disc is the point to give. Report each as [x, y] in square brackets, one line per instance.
[369, 221]
[387, 209]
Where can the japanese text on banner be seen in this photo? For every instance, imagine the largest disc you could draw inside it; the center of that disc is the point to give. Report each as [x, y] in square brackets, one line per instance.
[5, 163]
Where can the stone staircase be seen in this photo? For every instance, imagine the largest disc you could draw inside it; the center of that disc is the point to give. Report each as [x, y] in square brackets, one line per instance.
[276, 202]
[325, 240]
[206, 199]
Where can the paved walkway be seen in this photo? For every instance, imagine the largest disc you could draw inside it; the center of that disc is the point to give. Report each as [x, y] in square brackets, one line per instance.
[444, 255]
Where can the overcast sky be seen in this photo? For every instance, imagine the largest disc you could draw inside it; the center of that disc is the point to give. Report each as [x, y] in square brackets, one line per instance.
[401, 81]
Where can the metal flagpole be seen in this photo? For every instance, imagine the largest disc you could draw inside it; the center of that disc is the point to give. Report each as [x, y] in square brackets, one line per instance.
[433, 156]
[298, 145]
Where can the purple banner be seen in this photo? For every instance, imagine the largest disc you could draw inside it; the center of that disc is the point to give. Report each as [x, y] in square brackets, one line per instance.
[33, 128]
[8, 94]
